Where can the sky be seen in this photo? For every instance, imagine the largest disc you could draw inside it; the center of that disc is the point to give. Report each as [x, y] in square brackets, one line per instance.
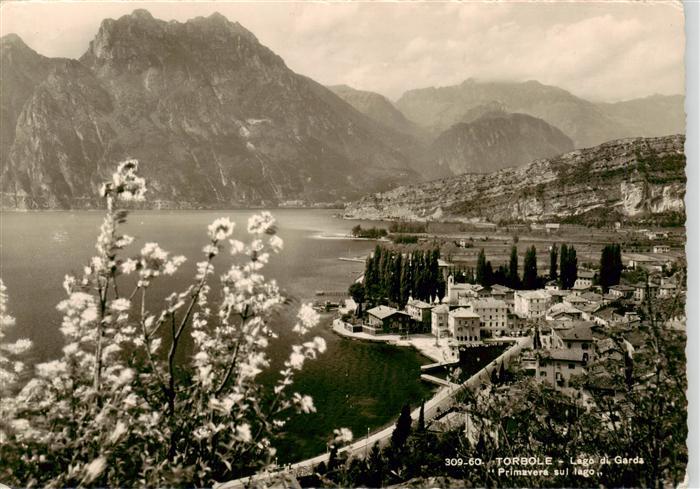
[602, 51]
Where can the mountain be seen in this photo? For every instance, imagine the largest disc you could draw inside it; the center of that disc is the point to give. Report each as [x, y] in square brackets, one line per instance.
[640, 179]
[656, 115]
[497, 140]
[216, 119]
[586, 123]
[378, 108]
[21, 69]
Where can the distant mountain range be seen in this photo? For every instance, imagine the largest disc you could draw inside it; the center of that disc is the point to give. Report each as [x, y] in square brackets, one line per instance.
[219, 120]
[586, 123]
[631, 180]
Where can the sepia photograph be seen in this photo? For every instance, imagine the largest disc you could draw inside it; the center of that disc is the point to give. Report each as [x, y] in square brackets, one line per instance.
[302, 244]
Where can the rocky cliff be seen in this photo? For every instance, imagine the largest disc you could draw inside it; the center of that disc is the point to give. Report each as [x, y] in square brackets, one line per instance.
[497, 140]
[216, 118]
[629, 179]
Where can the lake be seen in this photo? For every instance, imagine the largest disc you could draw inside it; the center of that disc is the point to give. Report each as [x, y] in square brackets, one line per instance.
[354, 384]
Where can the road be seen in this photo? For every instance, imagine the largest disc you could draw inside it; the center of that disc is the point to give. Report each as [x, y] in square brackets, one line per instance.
[439, 403]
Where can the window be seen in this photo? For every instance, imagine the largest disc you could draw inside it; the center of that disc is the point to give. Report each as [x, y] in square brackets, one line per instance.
[584, 346]
[542, 373]
[572, 366]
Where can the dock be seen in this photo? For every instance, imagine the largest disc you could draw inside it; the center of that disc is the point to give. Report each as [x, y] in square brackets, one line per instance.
[438, 381]
[432, 366]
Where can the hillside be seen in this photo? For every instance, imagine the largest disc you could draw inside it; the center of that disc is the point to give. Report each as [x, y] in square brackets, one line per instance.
[216, 118]
[656, 115]
[629, 179]
[497, 140]
[586, 123]
[378, 108]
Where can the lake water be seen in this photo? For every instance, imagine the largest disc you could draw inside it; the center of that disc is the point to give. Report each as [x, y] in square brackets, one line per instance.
[354, 384]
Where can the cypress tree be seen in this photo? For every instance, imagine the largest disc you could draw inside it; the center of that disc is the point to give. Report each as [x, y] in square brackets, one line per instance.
[395, 280]
[488, 275]
[405, 282]
[481, 267]
[513, 278]
[573, 266]
[530, 280]
[553, 262]
[403, 428]
[421, 417]
[563, 266]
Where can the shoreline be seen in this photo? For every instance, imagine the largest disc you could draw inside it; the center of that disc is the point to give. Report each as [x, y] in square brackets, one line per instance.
[423, 344]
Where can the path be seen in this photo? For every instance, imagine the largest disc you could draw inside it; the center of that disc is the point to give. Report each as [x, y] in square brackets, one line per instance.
[439, 403]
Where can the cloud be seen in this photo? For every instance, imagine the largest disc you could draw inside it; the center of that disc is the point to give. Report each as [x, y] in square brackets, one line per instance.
[603, 51]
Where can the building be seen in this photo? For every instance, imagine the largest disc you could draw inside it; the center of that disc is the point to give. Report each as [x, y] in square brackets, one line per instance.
[661, 248]
[384, 319]
[531, 304]
[584, 279]
[556, 366]
[502, 292]
[621, 291]
[464, 325]
[439, 316]
[551, 227]
[493, 313]
[667, 290]
[563, 311]
[461, 294]
[419, 311]
[640, 291]
[577, 338]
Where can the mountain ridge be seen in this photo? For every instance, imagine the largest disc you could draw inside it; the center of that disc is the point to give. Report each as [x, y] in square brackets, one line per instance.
[633, 179]
[586, 123]
[216, 118]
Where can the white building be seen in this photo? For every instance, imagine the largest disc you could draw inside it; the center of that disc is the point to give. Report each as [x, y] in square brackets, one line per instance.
[464, 325]
[584, 279]
[439, 316]
[419, 310]
[531, 304]
[661, 248]
[461, 294]
[493, 313]
[555, 367]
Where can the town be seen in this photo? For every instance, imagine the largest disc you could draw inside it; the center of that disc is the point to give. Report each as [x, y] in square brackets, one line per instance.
[574, 315]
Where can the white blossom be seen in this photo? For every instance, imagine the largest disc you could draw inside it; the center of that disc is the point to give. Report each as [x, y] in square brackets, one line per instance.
[220, 229]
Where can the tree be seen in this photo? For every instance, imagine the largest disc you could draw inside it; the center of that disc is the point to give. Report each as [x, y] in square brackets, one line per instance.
[488, 275]
[357, 292]
[553, 258]
[123, 381]
[421, 417]
[513, 278]
[568, 266]
[375, 467]
[610, 266]
[481, 267]
[403, 428]
[530, 279]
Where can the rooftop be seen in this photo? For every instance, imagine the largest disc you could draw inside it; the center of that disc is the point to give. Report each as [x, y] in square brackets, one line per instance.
[579, 332]
[586, 274]
[563, 355]
[441, 309]
[533, 294]
[488, 302]
[419, 304]
[463, 312]
[382, 312]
